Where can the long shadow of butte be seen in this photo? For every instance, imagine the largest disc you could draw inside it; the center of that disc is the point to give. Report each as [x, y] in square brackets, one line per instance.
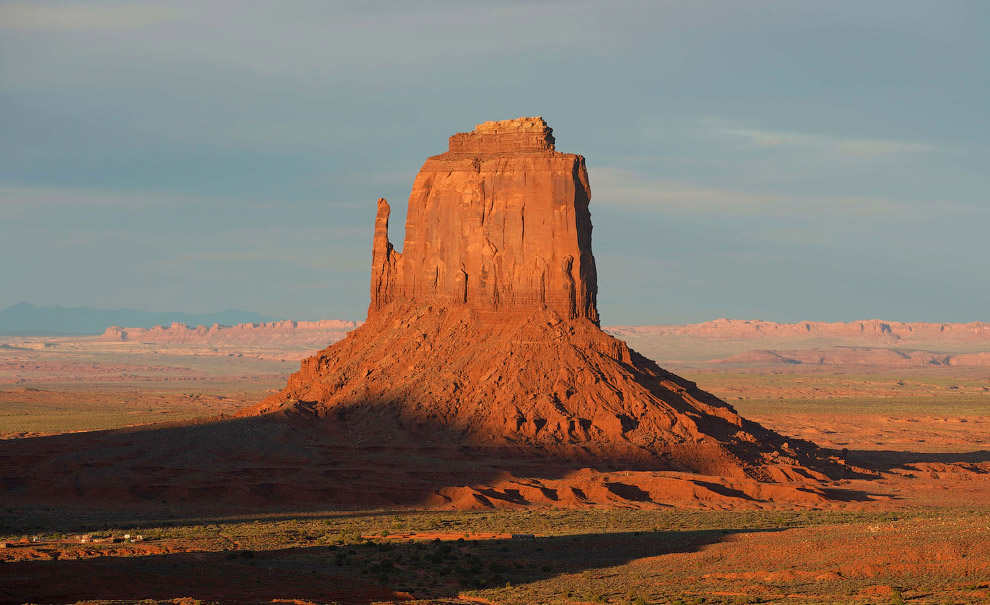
[359, 573]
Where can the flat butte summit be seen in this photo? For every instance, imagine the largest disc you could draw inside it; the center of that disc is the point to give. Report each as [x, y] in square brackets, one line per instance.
[483, 334]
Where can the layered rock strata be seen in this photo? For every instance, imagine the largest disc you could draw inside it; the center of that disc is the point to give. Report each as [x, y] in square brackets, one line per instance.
[498, 222]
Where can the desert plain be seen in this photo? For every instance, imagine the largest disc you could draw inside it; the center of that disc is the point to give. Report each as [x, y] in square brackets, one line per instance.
[912, 526]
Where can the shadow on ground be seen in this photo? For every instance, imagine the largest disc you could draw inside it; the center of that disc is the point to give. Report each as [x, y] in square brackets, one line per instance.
[888, 460]
[358, 573]
[300, 463]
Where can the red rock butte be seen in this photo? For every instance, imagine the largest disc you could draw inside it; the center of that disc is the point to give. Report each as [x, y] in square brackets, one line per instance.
[498, 222]
[483, 334]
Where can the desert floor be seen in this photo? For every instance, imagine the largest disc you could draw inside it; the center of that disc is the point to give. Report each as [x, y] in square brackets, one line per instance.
[924, 535]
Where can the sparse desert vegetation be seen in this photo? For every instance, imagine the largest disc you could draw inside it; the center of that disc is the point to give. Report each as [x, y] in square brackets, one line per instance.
[606, 556]
[63, 384]
[925, 545]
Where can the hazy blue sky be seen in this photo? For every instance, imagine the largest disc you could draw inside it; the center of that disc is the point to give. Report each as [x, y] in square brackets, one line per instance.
[780, 160]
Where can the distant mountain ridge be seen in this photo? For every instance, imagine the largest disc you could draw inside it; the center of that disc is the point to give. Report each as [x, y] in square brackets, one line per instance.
[25, 319]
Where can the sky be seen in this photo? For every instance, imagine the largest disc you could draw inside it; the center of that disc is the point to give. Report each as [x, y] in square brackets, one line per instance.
[780, 160]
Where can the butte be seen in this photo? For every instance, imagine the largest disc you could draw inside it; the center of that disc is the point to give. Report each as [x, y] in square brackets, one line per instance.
[483, 338]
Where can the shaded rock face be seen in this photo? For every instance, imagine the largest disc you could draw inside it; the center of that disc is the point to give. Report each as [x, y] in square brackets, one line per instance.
[500, 222]
[483, 334]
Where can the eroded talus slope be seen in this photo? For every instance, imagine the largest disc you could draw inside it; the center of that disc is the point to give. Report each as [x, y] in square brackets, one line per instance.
[531, 382]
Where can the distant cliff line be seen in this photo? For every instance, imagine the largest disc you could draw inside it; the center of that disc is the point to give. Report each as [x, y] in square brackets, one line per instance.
[275, 333]
[872, 330]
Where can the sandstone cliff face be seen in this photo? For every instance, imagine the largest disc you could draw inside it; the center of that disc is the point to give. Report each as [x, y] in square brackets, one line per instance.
[483, 334]
[498, 222]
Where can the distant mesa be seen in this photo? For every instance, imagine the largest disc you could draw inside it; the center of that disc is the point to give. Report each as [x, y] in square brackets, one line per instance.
[853, 343]
[868, 342]
[484, 333]
[268, 334]
[874, 330]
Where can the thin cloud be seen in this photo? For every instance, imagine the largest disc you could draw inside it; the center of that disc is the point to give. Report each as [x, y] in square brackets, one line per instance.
[625, 188]
[323, 258]
[18, 200]
[852, 147]
[34, 16]
[307, 45]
